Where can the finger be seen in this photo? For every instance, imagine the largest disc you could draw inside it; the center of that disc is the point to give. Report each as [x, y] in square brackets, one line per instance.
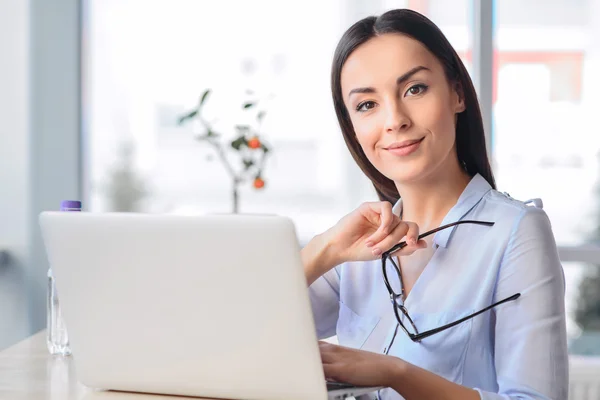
[391, 240]
[413, 243]
[326, 345]
[327, 351]
[410, 249]
[412, 236]
[387, 221]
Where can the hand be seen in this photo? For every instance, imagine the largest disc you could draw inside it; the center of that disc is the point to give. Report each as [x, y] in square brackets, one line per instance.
[357, 367]
[370, 230]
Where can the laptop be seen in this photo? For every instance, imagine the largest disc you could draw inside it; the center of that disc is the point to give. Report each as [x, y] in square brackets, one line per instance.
[211, 306]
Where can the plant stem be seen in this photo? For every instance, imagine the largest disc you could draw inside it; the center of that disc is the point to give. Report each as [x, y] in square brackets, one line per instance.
[235, 177]
[224, 159]
[235, 197]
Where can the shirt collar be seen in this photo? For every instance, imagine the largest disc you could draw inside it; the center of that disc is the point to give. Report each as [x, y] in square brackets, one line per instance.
[470, 197]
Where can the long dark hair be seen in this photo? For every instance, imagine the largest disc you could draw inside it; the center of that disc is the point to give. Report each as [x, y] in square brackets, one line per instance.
[470, 138]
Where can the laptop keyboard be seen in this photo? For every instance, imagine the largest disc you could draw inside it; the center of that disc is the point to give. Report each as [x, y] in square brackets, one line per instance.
[338, 385]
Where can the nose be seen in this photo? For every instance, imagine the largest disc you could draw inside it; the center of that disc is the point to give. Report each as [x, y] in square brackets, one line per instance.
[397, 119]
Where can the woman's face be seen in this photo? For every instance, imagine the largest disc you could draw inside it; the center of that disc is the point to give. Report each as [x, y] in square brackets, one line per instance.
[402, 107]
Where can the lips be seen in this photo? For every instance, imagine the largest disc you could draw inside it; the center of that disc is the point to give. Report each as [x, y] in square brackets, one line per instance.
[404, 148]
[403, 144]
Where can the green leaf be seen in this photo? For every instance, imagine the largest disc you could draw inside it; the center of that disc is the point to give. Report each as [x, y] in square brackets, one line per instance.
[265, 149]
[261, 115]
[248, 164]
[248, 105]
[211, 133]
[238, 143]
[187, 116]
[204, 96]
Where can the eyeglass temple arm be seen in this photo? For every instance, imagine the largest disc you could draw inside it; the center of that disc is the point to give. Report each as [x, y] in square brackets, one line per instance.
[425, 334]
[402, 245]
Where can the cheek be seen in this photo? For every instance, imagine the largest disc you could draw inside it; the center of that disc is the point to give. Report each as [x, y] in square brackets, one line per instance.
[367, 131]
[437, 118]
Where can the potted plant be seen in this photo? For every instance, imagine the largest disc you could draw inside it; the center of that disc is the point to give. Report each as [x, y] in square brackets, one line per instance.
[248, 145]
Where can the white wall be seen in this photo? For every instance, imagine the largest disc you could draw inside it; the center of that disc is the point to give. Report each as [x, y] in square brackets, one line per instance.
[54, 161]
[14, 170]
[39, 146]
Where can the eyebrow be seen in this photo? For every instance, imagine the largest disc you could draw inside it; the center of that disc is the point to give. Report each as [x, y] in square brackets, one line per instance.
[401, 79]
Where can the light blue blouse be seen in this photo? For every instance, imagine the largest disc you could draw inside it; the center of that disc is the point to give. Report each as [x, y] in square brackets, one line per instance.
[518, 350]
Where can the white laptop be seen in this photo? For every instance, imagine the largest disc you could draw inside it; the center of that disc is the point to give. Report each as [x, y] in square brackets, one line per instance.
[211, 306]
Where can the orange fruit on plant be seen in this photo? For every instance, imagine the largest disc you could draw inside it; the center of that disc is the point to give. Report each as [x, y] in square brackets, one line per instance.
[254, 143]
[259, 183]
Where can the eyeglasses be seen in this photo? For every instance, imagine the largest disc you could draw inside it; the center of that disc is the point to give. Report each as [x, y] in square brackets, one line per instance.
[415, 336]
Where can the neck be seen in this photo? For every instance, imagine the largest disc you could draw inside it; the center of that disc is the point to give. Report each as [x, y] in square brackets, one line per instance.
[427, 201]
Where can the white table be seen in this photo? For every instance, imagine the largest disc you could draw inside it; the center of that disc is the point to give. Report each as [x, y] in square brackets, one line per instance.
[28, 371]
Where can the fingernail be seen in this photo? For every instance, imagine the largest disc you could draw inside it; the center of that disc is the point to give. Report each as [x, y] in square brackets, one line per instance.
[377, 252]
[369, 244]
[412, 241]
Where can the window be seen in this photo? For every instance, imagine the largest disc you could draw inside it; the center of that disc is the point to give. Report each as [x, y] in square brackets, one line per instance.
[145, 69]
[544, 146]
[146, 63]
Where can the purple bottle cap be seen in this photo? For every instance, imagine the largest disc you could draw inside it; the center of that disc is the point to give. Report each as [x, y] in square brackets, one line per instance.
[70, 205]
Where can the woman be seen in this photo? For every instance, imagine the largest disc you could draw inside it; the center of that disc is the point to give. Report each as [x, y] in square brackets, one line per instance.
[410, 117]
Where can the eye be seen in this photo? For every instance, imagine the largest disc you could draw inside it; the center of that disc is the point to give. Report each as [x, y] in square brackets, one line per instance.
[365, 106]
[416, 90]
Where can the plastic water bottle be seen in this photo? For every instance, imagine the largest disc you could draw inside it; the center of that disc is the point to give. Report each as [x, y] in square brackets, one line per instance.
[57, 337]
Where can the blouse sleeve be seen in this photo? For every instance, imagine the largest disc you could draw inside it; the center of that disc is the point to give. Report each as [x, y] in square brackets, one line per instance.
[324, 296]
[531, 356]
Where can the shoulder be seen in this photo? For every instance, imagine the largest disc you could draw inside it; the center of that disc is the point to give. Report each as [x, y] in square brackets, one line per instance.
[507, 204]
[502, 205]
[520, 220]
[515, 220]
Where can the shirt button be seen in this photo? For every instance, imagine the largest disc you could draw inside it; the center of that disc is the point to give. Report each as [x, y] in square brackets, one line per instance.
[437, 246]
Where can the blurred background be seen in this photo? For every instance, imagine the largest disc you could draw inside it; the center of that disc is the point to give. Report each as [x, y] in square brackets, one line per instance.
[91, 92]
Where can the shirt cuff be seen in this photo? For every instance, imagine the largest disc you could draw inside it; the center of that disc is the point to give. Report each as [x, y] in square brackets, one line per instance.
[490, 396]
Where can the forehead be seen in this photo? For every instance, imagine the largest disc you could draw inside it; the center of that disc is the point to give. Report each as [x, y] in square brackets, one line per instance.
[383, 58]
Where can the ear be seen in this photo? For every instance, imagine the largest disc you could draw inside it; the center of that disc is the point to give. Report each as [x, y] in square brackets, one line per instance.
[459, 98]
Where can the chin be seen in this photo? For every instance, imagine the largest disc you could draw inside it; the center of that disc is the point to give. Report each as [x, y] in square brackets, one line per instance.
[404, 179]
[409, 172]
